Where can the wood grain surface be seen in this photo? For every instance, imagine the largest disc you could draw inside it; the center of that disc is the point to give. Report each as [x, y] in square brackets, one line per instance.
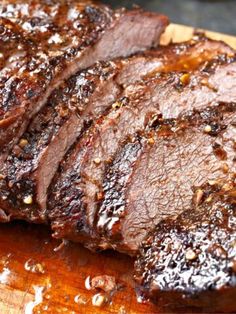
[34, 278]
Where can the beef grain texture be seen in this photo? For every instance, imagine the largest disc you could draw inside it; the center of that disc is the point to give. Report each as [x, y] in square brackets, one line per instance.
[70, 109]
[45, 42]
[190, 262]
[31, 165]
[76, 218]
[155, 177]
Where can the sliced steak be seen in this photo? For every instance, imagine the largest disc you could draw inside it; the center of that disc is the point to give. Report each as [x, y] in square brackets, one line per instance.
[165, 178]
[81, 183]
[115, 180]
[45, 42]
[213, 83]
[33, 162]
[70, 110]
[189, 262]
[174, 57]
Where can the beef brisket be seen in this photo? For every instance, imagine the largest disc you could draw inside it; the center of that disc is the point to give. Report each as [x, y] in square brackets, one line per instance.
[33, 162]
[189, 262]
[116, 146]
[70, 110]
[187, 91]
[44, 42]
[174, 57]
[165, 178]
[81, 183]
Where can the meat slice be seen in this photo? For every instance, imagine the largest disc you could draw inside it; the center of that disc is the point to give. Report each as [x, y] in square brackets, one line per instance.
[45, 42]
[33, 162]
[70, 110]
[164, 180]
[80, 181]
[115, 181]
[189, 262]
[157, 176]
[174, 57]
[186, 91]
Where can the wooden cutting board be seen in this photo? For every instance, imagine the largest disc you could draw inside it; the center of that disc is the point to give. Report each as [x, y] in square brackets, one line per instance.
[34, 278]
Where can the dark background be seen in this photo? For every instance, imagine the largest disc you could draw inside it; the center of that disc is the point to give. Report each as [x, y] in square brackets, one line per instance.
[216, 15]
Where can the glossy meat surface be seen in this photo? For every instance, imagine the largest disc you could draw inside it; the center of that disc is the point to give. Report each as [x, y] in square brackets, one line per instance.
[132, 115]
[45, 42]
[137, 153]
[33, 162]
[190, 261]
[39, 40]
[71, 109]
[68, 36]
[161, 180]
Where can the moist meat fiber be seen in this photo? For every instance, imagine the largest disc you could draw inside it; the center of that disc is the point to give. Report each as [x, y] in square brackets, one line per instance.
[76, 218]
[190, 261]
[118, 144]
[70, 110]
[45, 42]
[163, 180]
[64, 38]
[33, 162]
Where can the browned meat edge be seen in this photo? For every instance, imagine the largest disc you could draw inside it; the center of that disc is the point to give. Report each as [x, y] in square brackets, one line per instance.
[101, 143]
[164, 179]
[72, 108]
[43, 44]
[190, 262]
[33, 162]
